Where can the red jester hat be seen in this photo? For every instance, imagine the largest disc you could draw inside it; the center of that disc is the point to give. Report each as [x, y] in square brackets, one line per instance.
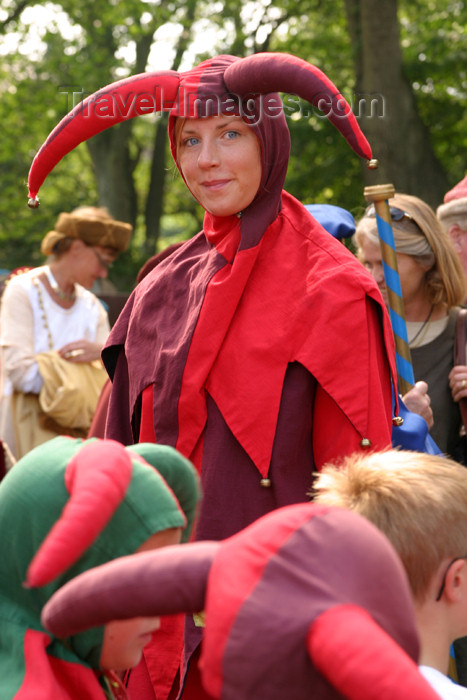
[218, 84]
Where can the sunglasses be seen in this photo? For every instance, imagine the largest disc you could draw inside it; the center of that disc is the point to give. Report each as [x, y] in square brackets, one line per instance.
[106, 264]
[395, 213]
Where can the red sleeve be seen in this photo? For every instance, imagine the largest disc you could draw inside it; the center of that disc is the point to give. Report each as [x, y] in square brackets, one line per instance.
[333, 434]
[146, 430]
[97, 428]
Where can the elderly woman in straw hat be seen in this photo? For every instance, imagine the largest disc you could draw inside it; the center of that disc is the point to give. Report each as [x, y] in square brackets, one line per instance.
[51, 308]
[433, 289]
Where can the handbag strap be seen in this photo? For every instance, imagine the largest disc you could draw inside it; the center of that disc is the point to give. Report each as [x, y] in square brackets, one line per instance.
[40, 298]
[459, 356]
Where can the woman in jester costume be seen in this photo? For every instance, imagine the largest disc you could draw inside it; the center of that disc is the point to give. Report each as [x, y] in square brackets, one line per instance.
[260, 348]
[67, 506]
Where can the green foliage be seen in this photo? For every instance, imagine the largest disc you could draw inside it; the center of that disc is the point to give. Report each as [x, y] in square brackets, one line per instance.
[30, 112]
[322, 167]
[93, 42]
[435, 61]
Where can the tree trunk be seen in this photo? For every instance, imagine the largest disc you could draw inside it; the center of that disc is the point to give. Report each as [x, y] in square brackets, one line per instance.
[110, 154]
[155, 197]
[114, 171]
[399, 139]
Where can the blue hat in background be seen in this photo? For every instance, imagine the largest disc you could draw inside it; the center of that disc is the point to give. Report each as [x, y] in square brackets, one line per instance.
[337, 221]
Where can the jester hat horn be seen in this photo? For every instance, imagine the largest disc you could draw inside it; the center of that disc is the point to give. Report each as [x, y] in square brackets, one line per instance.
[224, 84]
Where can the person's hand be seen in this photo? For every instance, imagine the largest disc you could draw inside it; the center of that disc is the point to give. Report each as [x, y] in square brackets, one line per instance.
[418, 401]
[81, 351]
[458, 382]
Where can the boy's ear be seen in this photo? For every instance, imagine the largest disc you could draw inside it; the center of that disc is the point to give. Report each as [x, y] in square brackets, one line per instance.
[455, 588]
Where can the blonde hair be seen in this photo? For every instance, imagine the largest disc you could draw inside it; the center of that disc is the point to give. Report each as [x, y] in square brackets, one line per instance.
[418, 501]
[423, 238]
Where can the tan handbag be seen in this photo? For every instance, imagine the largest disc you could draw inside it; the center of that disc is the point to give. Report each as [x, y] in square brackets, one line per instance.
[32, 426]
[28, 424]
[70, 390]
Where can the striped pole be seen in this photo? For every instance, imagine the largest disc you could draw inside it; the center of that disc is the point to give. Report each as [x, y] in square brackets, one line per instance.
[378, 195]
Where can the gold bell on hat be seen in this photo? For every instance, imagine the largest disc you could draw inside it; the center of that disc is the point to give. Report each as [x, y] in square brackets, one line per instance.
[397, 420]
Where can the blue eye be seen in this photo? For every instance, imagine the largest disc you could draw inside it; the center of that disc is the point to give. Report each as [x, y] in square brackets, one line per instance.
[190, 141]
[230, 134]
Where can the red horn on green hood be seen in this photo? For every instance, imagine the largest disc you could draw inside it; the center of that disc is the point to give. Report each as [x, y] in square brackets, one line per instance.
[281, 72]
[97, 478]
[125, 99]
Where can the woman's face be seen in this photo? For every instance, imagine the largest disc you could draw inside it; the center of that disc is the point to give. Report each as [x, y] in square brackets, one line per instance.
[90, 263]
[220, 158]
[412, 275]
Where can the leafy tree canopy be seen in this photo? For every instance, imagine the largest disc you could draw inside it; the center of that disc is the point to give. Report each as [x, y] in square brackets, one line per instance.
[53, 54]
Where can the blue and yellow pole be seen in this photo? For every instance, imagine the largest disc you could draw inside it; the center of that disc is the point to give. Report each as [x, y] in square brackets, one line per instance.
[379, 195]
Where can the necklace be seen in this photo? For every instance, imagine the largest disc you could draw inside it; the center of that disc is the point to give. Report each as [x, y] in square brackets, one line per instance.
[54, 284]
[37, 285]
[423, 327]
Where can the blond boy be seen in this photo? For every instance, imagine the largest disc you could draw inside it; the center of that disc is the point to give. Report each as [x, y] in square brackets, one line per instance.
[420, 502]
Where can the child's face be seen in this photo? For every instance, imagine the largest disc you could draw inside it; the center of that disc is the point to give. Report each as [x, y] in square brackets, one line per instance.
[124, 640]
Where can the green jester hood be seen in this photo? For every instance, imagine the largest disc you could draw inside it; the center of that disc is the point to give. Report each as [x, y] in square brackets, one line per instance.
[70, 505]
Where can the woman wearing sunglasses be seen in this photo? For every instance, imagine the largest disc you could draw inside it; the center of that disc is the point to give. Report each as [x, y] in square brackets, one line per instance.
[433, 287]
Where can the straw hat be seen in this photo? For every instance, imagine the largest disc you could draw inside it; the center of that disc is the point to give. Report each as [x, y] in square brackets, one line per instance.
[93, 225]
[454, 209]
